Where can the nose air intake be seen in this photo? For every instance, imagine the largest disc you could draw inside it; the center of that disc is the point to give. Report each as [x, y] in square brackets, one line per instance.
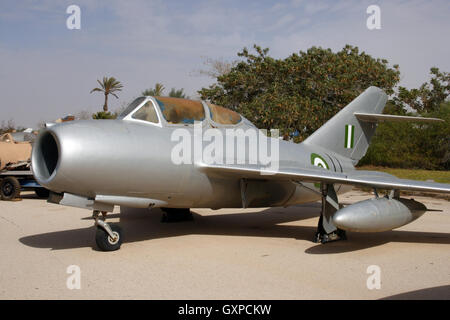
[45, 157]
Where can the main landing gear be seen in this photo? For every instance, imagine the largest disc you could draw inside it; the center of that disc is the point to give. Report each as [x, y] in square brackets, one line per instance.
[326, 230]
[108, 237]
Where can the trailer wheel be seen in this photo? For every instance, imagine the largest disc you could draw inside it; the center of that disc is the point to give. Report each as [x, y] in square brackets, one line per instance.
[10, 188]
[42, 192]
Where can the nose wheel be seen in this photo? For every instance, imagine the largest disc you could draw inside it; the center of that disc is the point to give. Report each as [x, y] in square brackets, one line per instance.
[108, 237]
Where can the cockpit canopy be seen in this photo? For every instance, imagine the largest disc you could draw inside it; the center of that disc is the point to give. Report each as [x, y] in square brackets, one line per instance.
[178, 111]
[223, 115]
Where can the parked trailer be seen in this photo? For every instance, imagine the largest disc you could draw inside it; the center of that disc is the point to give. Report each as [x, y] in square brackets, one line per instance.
[14, 181]
[15, 165]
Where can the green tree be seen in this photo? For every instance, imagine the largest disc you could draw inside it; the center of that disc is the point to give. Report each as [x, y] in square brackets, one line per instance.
[157, 91]
[429, 96]
[413, 145]
[108, 86]
[301, 92]
[104, 115]
[174, 93]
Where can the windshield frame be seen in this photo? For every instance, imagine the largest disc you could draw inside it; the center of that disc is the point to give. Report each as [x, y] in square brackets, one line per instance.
[129, 116]
[131, 108]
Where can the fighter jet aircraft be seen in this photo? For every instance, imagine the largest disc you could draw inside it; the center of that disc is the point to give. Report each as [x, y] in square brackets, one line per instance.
[165, 152]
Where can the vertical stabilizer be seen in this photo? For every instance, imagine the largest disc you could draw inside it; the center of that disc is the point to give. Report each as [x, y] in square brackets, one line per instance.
[344, 134]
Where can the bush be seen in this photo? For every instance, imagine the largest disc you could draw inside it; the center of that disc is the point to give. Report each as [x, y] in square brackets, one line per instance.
[412, 145]
[104, 115]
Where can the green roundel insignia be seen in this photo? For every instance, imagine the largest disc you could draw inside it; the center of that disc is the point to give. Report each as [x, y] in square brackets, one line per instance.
[318, 161]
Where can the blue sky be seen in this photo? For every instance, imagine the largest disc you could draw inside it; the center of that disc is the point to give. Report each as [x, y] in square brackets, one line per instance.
[47, 70]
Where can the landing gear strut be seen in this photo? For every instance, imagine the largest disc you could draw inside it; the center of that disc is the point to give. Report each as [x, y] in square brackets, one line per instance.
[108, 237]
[326, 230]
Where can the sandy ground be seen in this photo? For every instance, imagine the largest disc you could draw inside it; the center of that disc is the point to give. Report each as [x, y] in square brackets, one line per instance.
[232, 253]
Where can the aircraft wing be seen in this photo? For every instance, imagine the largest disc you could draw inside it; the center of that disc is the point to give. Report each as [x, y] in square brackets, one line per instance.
[364, 178]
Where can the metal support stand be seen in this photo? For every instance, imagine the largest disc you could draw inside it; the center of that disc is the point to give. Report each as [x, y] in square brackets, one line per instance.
[326, 230]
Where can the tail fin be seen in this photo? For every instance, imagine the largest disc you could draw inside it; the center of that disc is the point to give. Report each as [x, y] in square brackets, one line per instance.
[344, 134]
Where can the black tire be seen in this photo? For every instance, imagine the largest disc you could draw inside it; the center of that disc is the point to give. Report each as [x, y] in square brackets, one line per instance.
[42, 192]
[104, 241]
[10, 188]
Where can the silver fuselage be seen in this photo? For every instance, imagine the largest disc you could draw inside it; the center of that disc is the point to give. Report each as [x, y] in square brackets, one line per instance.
[133, 159]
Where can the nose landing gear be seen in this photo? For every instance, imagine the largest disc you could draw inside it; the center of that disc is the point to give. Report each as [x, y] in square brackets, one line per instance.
[108, 237]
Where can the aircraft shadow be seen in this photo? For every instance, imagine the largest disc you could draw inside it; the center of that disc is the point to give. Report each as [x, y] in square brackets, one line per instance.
[143, 224]
[435, 293]
[30, 196]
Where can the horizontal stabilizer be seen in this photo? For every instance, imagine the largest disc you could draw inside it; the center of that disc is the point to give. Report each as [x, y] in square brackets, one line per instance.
[372, 117]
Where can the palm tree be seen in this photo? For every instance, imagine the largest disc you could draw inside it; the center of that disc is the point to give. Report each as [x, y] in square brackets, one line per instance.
[157, 91]
[108, 86]
[174, 93]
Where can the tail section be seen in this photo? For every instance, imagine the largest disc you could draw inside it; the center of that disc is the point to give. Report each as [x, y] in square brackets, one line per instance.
[344, 134]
